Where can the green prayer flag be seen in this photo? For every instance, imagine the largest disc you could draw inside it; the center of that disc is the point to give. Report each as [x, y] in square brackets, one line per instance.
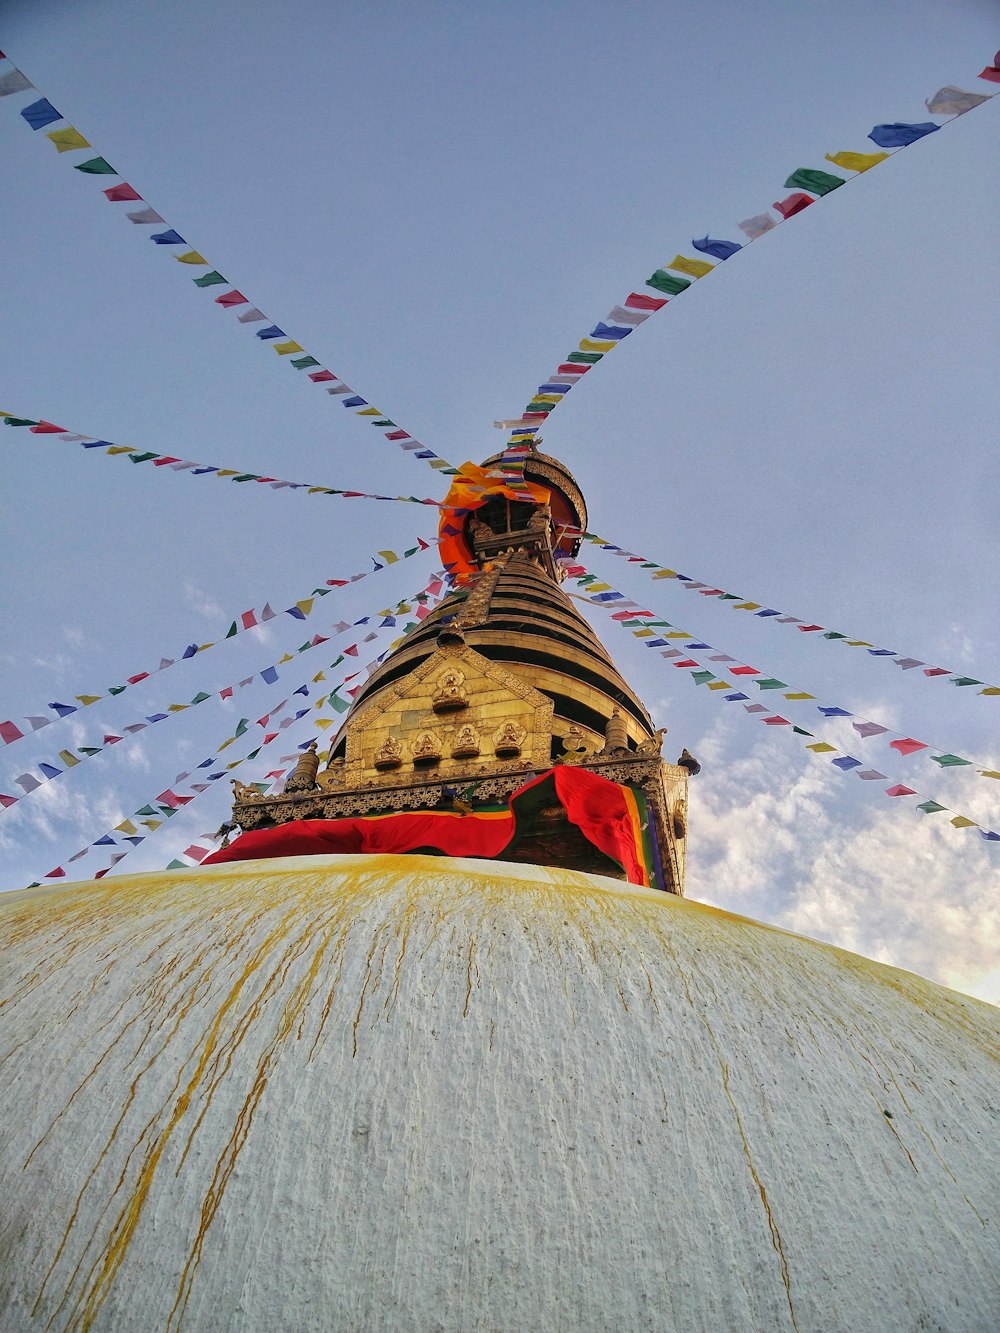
[18, 421]
[96, 167]
[146, 810]
[200, 698]
[178, 865]
[769, 683]
[89, 749]
[340, 705]
[384, 422]
[303, 362]
[584, 358]
[832, 634]
[965, 680]
[244, 722]
[949, 760]
[142, 458]
[231, 630]
[801, 731]
[245, 476]
[663, 281]
[117, 689]
[931, 807]
[817, 182]
[209, 279]
[702, 677]
[254, 753]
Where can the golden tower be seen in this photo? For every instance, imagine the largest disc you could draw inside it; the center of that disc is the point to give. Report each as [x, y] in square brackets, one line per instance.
[503, 682]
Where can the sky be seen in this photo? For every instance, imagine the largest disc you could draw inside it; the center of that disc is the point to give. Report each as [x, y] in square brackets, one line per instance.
[438, 202]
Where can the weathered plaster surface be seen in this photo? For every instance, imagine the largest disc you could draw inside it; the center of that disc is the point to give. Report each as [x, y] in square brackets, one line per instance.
[409, 1093]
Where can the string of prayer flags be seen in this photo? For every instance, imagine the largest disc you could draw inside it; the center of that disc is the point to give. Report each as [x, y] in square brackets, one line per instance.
[640, 623]
[175, 464]
[738, 603]
[11, 731]
[42, 113]
[807, 184]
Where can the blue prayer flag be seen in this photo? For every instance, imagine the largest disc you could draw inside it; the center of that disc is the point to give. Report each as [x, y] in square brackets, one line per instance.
[63, 710]
[554, 388]
[189, 651]
[717, 249]
[272, 331]
[610, 331]
[269, 675]
[40, 113]
[835, 712]
[845, 762]
[167, 238]
[50, 770]
[356, 401]
[106, 841]
[899, 135]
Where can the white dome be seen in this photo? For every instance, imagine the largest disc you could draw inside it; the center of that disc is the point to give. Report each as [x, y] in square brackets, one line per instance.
[377, 1092]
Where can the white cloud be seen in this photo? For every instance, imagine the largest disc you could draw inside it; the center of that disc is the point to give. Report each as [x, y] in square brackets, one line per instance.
[201, 601]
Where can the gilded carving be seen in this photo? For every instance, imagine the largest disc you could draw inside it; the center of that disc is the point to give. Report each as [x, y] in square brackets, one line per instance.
[466, 743]
[426, 748]
[450, 696]
[507, 740]
[303, 775]
[389, 754]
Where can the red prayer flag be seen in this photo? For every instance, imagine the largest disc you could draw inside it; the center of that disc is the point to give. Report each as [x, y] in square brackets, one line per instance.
[7, 801]
[397, 435]
[58, 873]
[164, 460]
[249, 619]
[195, 852]
[795, 203]
[121, 193]
[992, 72]
[936, 671]
[900, 790]
[232, 298]
[639, 301]
[134, 680]
[47, 428]
[9, 733]
[744, 671]
[321, 376]
[907, 746]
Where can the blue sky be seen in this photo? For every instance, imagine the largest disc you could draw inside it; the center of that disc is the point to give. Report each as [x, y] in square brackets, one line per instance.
[437, 202]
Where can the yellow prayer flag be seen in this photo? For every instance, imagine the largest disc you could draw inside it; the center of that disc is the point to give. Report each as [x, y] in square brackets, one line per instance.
[152, 824]
[320, 675]
[64, 140]
[68, 758]
[695, 268]
[287, 658]
[591, 345]
[368, 412]
[665, 574]
[800, 695]
[720, 685]
[192, 257]
[599, 587]
[120, 449]
[988, 773]
[390, 557]
[960, 821]
[990, 689]
[323, 723]
[821, 747]
[856, 161]
[547, 398]
[306, 605]
[676, 634]
[86, 699]
[747, 606]
[177, 708]
[283, 349]
[644, 633]
[227, 472]
[858, 643]
[438, 462]
[126, 826]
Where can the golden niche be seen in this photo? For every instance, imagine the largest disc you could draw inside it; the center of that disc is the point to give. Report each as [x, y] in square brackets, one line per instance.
[508, 740]
[466, 745]
[389, 754]
[426, 749]
[450, 697]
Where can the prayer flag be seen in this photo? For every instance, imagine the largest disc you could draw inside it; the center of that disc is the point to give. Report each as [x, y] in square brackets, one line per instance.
[590, 345]
[638, 301]
[144, 215]
[251, 316]
[209, 279]
[269, 675]
[272, 331]
[899, 135]
[819, 182]
[697, 268]
[663, 281]
[758, 225]
[992, 72]
[856, 161]
[9, 733]
[949, 101]
[795, 203]
[900, 790]
[355, 401]
[907, 746]
[610, 331]
[717, 249]
[304, 362]
[40, 113]
[170, 237]
[28, 782]
[14, 82]
[65, 140]
[229, 299]
[959, 821]
[192, 257]
[95, 166]
[285, 349]
[949, 760]
[619, 315]
[120, 193]
[585, 358]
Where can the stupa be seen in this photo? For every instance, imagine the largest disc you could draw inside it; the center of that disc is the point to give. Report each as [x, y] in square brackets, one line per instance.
[437, 1042]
